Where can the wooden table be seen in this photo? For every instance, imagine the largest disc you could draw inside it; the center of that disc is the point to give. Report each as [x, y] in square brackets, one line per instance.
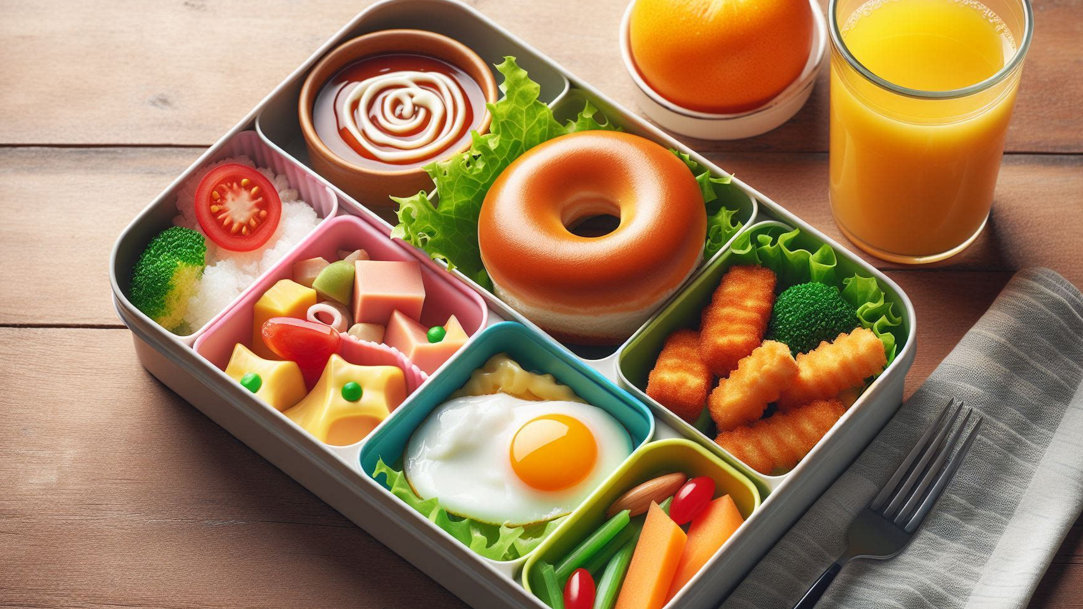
[115, 492]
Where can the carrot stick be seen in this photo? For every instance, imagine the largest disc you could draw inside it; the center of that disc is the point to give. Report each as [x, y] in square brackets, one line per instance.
[708, 531]
[653, 563]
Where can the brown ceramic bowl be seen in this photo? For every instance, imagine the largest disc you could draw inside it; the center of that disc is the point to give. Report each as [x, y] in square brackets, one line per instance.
[373, 187]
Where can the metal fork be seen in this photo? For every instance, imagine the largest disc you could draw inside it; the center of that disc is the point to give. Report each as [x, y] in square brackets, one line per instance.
[886, 525]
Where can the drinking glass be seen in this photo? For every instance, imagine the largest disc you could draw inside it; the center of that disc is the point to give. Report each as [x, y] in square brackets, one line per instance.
[913, 170]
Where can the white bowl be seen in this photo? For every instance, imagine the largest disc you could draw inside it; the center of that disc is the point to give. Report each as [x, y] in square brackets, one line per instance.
[708, 126]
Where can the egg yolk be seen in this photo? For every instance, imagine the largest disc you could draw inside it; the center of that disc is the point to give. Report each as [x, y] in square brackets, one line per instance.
[553, 452]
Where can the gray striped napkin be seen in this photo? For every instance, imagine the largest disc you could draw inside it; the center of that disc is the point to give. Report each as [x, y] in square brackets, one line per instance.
[996, 528]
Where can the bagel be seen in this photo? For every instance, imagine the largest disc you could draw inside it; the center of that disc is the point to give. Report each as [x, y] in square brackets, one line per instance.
[591, 290]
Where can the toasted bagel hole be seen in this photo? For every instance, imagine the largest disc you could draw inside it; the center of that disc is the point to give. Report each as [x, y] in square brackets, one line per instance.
[591, 216]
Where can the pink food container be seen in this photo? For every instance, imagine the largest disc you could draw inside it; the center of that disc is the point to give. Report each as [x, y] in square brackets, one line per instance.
[444, 296]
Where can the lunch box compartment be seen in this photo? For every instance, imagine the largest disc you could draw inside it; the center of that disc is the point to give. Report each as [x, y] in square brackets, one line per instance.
[534, 353]
[652, 460]
[159, 216]
[444, 296]
[638, 355]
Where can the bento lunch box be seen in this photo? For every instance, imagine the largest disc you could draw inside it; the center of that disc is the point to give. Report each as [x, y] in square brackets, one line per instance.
[613, 378]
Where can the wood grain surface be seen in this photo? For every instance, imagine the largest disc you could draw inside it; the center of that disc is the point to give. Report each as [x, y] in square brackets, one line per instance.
[115, 492]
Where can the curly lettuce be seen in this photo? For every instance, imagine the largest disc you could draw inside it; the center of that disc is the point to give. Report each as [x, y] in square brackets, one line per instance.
[722, 222]
[496, 542]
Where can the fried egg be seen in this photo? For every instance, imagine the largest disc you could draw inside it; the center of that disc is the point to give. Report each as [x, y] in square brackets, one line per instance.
[504, 460]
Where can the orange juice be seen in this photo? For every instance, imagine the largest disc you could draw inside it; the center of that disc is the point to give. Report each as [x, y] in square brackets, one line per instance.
[919, 110]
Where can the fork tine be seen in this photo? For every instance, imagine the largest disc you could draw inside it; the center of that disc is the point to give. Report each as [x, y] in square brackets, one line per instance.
[918, 471]
[932, 471]
[945, 477]
[891, 486]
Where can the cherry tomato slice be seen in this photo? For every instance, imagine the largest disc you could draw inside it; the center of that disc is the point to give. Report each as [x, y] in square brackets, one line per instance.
[308, 343]
[237, 207]
[579, 591]
[691, 499]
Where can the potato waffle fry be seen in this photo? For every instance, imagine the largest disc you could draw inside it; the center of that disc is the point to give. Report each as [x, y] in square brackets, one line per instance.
[778, 443]
[680, 380]
[736, 320]
[832, 367]
[759, 379]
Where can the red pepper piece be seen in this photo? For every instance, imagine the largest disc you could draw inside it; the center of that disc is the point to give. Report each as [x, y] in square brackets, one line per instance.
[308, 343]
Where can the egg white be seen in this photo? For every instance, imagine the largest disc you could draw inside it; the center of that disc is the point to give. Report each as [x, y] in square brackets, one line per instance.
[460, 455]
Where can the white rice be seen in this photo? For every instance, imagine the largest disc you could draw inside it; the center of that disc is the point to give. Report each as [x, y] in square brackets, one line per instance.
[228, 273]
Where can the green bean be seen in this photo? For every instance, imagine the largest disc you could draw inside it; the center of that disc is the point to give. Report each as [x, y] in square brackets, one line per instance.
[609, 584]
[631, 532]
[591, 545]
[596, 563]
[554, 594]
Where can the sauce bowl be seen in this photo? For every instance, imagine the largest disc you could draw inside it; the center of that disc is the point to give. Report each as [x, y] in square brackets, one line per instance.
[372, 183]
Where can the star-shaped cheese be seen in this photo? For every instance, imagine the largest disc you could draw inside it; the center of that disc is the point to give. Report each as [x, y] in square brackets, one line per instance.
[349, 401]
[284, 299]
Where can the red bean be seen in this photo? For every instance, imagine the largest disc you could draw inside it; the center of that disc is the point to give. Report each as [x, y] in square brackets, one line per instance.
[691, 499]
[579, 591]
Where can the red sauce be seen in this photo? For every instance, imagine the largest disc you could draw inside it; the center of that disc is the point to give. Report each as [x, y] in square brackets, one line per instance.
[394, 99]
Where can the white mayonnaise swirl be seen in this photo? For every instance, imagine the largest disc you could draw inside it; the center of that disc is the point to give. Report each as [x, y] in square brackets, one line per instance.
[402, 105]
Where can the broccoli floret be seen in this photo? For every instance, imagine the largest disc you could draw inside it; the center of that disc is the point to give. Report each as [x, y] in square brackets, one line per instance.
[809, 313]
[166, 275]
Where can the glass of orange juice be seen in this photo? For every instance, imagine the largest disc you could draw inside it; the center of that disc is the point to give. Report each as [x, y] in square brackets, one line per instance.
[921, 94]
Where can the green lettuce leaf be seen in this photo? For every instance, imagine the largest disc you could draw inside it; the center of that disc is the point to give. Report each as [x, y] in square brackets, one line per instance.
[722, 222]
[449, 231]
[793, 264]
[496, 542]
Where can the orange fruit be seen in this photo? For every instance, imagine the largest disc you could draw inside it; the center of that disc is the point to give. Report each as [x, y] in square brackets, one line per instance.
[720, 56]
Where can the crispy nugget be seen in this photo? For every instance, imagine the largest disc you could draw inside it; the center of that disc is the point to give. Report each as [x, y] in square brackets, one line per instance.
[736, 320]
[680, 380]
[830, 368]
[776, 444]
[759, 379]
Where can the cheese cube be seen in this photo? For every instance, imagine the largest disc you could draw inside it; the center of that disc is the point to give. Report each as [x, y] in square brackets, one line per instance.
[284, 299]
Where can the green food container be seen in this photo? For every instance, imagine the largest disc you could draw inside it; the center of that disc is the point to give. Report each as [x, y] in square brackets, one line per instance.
[796, 256]
[650, 461]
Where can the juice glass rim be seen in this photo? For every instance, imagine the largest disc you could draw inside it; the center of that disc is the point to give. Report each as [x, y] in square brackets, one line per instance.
[839, 45]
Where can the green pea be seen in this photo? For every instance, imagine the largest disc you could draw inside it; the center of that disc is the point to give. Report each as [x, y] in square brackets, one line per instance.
[351, 392]
[436, 334]
[251, 381]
